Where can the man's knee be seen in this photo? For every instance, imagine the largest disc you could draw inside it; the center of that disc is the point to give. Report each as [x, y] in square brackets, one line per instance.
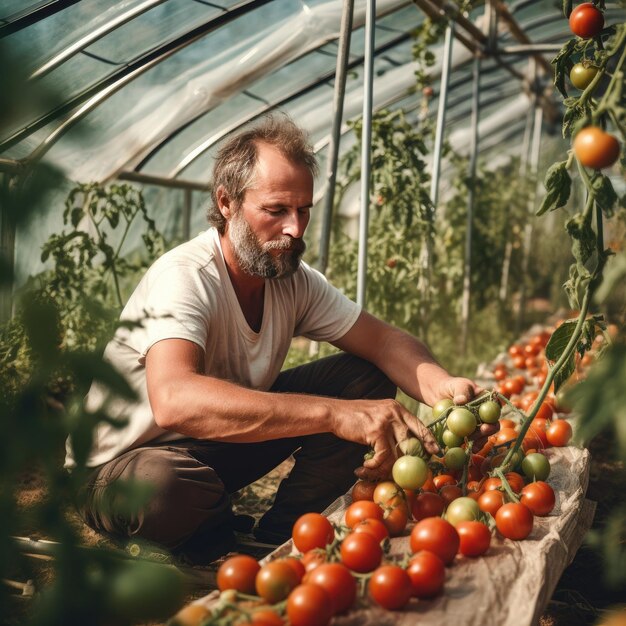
[369, 382]
[180, 496]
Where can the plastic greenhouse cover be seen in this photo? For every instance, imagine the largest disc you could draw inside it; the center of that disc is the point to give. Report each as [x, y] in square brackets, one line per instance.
[195, 80]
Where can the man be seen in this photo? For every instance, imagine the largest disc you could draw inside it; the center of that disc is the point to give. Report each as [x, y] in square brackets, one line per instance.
[215, 412]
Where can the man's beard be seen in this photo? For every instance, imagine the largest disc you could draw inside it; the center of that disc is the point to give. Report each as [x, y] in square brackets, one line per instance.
[256, 259]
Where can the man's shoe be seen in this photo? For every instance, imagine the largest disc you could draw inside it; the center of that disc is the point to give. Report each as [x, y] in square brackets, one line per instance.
[208, 546]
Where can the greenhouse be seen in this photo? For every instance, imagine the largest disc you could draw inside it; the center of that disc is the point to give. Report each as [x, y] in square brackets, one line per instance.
[206, 416]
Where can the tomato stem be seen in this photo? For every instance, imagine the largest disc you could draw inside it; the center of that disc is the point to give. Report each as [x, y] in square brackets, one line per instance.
[505, 485]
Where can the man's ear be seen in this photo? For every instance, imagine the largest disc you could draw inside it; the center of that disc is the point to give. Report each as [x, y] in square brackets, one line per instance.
[224, 202]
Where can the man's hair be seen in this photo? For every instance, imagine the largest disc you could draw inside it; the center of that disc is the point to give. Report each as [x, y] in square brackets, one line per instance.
[236, 161]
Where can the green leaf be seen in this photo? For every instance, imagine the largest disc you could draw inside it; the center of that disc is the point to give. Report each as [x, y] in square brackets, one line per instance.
[558, 186]
[561, 64]
[567, 8]
[583, 237]
[564, 373]
[559, 340]
[604, 194]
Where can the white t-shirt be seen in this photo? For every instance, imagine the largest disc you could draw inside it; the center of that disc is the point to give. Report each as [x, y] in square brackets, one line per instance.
[187, 294]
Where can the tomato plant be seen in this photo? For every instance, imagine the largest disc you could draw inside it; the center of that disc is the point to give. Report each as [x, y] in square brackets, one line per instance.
[586, 20]
[438, 536]
[559, 433]
[361, 552]
[338, 582]
[427, 573]
[239, 573]
[390, 586]
[361, 510]
[312, 530]
[309, 605]
[275, 580]
[538, 497]
[596, 148]
[514, 521]
[475, 538]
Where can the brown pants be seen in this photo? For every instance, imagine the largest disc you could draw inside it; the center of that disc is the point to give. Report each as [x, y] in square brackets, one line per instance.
[192, 479]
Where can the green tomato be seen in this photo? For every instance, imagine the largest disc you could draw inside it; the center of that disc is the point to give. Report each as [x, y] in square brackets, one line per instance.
[536, 466]
[489, 412]
[409, 472]
[412, 446]
[581, 75]
[462, 510]
[455, 458]
[441, 406]
[461, 422]
[450, 439]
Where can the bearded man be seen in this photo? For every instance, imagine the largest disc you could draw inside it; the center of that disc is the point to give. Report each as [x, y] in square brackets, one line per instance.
[214, 410]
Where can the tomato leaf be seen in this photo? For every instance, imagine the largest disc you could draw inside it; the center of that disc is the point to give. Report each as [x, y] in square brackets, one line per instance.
[583, 237]
[604, 194]
[558, 186]
[562, 376]
[559, 340]
[561, 64]
[567, 8]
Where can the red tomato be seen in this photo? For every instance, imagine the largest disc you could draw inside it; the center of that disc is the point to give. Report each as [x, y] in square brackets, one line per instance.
[596, 149]
[475, 538]
[390, 586]
[309, 605]
[396, 516]
[532, 349]
[360, 510]
[507, 423]
[239, 573]
[491, 501]
[506, 434]
[361, 552]
[538, 428]
[519, 362]
[275, 580]
[313, 558]
[514, 521]
[438, 536]
[516, 350]
[429, 485]
[545, 411]
[448, 493]
[492, 483]
[385, 491]
[500, 372]
[296, 565]
[262, 617]
[538, 497]
[427, 573]
[442, 480]
[363, 490]
[428, 505]
[559, 433]
[374, 527]
[516, 482]
[312, 530]
[586, 21]
[338, 582]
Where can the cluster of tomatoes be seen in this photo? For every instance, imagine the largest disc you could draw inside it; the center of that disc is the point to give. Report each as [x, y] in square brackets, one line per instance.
[593, 147]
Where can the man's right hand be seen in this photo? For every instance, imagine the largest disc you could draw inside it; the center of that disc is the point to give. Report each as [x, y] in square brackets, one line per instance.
[381, 425]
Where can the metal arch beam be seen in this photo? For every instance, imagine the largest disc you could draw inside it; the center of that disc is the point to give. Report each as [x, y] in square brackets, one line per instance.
[211, 141]
[94, 36]
[83, 102]
[32, 15]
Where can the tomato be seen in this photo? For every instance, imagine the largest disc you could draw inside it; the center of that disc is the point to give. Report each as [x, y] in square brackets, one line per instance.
[545, 411]
[313, 558]
[374, 527]
[514, 521]
[338, 582]
[475, 538]
[461, 422]
[275, 580]
[260, 617]
[441, 406]
[455, 458]
[429, 485]
[449, 493]
[536, 466]
[492, 483]
[489, 412]
[441, 480]
[586, 21]
[519, 362]
[490, 501]
[396, 516]
[361, 552]
[192, 615]
[506, 434]
[462, 509]
[560, 401]
[427, 505]
[596, 149]
[538, 428]
[438, 536]
[581, 75]
[559, 433]
[360, 510]
[390, 587]
[516, 350]
[507, 423]
[239, 573]
[309, 605]
[450, 439]
[363, 490]
[539, 498]
[516, 482]
[312, 530]
[409, 472]
[427, 573]
[385, 491]
[500, 372]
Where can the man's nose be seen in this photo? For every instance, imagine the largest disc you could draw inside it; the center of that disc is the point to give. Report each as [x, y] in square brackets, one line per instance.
[295, 224]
